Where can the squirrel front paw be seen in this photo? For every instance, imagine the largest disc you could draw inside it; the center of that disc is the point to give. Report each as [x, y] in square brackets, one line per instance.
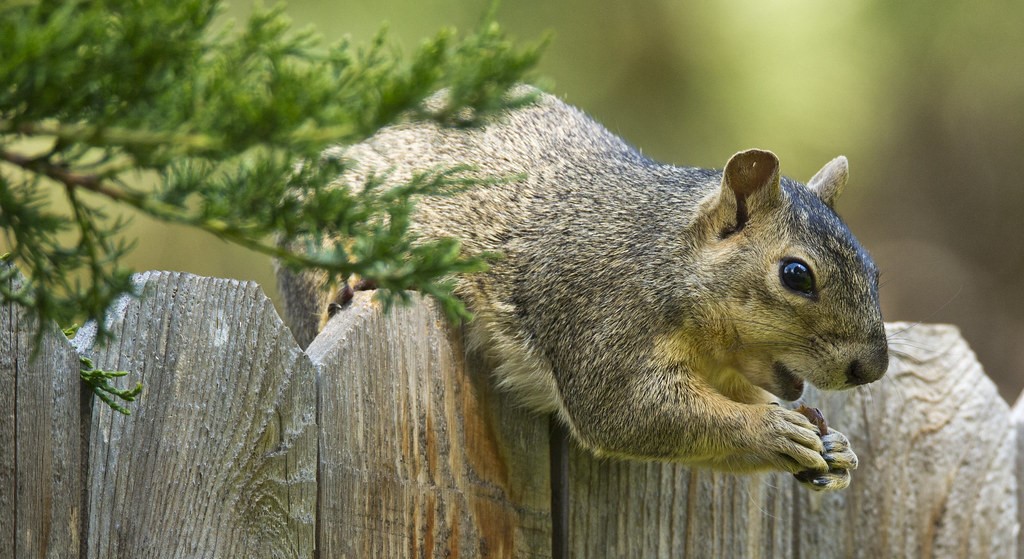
[790, 442]
[840, 459]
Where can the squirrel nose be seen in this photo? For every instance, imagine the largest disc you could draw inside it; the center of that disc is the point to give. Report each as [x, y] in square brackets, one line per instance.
[856, 373]
[868, 370]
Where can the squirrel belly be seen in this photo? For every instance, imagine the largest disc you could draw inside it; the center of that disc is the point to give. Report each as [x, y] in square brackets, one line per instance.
[657, 310]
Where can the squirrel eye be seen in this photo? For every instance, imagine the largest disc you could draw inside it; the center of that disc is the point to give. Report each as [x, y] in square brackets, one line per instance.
[796, 275]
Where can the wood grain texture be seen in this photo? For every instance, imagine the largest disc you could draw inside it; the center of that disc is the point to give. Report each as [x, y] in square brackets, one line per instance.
[420, 457]
[936, 478]
[637, 509]
[937, 452]
[218, 458]
[40, 449]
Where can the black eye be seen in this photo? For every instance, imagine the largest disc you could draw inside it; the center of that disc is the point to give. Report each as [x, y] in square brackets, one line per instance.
[796, 275]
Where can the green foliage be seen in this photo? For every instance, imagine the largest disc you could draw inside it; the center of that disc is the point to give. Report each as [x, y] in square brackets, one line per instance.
[103, 99]
[99, 381]
[148, 106]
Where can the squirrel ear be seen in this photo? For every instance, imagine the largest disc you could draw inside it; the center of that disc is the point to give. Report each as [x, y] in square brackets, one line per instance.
[747, 173]
[828, 183]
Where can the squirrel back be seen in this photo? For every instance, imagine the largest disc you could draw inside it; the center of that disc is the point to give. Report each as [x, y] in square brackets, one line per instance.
[655, 309]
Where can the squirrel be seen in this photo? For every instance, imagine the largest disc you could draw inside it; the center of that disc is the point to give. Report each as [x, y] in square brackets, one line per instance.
[660, 312]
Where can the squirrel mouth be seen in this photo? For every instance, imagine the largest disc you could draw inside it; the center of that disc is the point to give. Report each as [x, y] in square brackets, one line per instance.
[789, 387]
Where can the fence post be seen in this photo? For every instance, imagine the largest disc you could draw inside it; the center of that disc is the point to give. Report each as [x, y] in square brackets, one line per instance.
[40, 445]
[218, 458]
[419, 456]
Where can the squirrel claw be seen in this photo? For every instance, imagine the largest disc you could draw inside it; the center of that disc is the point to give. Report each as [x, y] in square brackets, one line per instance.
[832, 480]
[838, 454]
[840, 460]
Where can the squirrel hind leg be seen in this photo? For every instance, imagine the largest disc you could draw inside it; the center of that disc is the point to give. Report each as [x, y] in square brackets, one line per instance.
[340, 296]
[363, 284]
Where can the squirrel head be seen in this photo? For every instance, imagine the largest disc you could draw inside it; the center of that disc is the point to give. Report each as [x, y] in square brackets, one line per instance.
[789, 292]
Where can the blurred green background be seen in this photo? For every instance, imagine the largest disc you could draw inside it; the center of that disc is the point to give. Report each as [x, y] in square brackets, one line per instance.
[925, 99]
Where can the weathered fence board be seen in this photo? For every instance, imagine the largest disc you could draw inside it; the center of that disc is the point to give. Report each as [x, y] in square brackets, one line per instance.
[40, 447]
[385, 441]
[635, 509]
[419, 456]
[219, 456]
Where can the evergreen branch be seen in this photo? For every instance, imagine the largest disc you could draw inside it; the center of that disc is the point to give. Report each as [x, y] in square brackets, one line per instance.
[121, 88]
[183, 144]
[99, 381]
[93, 134]
[61, 174]
[393, 280]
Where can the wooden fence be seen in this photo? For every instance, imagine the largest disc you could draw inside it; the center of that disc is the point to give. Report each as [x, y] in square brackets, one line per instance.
[383, 439]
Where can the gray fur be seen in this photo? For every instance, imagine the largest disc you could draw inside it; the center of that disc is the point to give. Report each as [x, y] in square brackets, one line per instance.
[631, 303]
